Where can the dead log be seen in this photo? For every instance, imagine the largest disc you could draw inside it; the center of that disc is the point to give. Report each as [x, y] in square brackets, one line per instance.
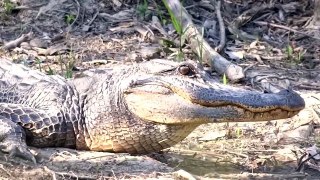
[200, 46]
[15, 43]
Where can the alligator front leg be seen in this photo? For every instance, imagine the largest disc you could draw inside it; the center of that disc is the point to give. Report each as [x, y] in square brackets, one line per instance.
[21, 125]
[13, 140]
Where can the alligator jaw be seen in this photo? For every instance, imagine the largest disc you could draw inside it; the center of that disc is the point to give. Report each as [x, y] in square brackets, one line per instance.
[170, 104]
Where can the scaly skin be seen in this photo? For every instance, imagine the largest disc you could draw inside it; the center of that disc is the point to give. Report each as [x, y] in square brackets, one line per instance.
[138, 109]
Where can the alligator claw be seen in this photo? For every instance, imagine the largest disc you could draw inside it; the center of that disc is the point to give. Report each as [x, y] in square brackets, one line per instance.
[13, 140]
[21, 151]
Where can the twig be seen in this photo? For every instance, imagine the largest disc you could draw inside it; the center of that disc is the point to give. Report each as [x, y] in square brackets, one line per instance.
[283, 27]
[261, 176]
[254, 56]
[6, 171]
[253, 150]
[250, 66]
[46, 169]
[94, 17]
[221, 25]
[312, 166]
[23, 7]
[106, 155]
[73, 176]
[301, 163]
[182, 174]
[276, 58]
[113, 19]
[308, 87]
[210, 153]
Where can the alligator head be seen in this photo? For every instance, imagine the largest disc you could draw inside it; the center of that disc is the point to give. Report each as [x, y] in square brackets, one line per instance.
[154, 105]
[174, 93]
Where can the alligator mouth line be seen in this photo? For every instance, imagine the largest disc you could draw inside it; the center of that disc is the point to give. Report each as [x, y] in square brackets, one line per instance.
[235, 103]
[158, 103]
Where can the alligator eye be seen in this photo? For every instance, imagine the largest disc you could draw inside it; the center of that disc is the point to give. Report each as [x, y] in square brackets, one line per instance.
[184, 70]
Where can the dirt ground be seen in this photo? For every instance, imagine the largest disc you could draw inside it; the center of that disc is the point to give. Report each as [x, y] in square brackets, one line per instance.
[66, 37]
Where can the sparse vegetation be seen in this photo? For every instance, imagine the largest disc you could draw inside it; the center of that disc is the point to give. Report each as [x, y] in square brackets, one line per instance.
[69, 67]
[50, 71]
[239, 132]
[70, 18]
[294, 56]
[38, 62]
[177, 24]
[8, 6]
[142, 9]
[66, 66]
[224, 79]
[160, 14]
[200, 42]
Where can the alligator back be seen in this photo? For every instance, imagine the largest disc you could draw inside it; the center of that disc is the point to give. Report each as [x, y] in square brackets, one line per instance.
[12, 74]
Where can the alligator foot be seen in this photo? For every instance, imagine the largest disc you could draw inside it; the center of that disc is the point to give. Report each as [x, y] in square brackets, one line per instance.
[15, 150]
[13, 140]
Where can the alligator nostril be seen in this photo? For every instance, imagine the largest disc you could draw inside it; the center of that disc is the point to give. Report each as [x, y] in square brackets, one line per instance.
[285, 92]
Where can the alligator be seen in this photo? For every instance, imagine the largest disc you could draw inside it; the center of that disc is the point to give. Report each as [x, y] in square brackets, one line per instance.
[137, 109]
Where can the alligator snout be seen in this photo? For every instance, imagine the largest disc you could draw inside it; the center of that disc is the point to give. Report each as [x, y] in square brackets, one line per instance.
[293, 100]
[254, 101]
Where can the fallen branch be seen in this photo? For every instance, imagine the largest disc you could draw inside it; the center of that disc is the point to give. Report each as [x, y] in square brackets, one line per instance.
[221, 25]
[201, 47]
[309, 87]
[15, 43]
